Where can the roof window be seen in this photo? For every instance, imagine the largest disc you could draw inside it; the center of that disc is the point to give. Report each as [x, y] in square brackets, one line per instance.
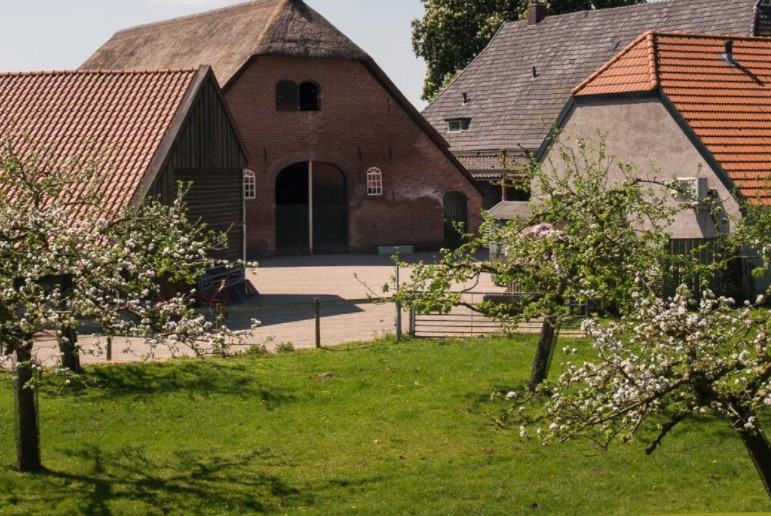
[456, 125]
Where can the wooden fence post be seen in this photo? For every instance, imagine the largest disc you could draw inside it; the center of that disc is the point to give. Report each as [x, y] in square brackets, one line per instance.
[317, 313]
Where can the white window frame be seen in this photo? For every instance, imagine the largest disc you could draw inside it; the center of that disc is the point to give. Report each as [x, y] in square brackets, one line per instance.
[250, 185]
[374, 182]
[457, 125]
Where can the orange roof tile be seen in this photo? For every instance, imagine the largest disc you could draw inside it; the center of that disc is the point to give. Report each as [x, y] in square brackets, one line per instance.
[728, 107]
[113, 119]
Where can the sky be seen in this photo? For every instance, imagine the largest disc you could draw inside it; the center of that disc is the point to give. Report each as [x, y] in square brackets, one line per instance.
[62, 34]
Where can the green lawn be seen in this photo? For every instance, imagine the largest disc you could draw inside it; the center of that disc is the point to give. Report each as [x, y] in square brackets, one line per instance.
[379, 428]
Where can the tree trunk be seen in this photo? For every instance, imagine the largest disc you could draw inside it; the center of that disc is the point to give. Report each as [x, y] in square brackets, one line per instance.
[68, 347]
[545, 350]
[27, 431]
[758, 447]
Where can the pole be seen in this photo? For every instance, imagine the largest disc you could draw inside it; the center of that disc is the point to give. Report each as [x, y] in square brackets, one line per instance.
[243, 223]
[398, 305]
[310, 206]
[317, 313]
[109, 348]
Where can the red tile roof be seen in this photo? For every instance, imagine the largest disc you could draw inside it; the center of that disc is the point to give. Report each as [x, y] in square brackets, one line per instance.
[114, 119]
[727, 107]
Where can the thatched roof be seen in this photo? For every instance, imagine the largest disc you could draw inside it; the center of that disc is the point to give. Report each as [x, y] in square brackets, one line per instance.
[226, 39]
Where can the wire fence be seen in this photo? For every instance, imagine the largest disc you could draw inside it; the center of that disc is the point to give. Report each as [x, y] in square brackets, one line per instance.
[317, 323]
[308, 324]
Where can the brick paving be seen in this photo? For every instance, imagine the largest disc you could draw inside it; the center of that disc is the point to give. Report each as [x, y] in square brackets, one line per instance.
[294, 281]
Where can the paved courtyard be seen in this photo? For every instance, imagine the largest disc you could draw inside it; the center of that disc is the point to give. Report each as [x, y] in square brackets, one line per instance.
[298, 278]
[288, 287]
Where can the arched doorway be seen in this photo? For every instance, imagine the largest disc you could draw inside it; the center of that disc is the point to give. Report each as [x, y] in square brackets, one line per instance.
[455, 212]
[311, 209]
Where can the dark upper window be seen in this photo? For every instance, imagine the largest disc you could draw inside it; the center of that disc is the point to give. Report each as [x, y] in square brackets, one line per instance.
[286, 96]
[291, 97]
[309, 96]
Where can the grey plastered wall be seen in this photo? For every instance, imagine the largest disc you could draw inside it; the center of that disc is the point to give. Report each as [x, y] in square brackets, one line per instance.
[641, 132]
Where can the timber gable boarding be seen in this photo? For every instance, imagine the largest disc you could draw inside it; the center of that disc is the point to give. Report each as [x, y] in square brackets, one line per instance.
[207, 158]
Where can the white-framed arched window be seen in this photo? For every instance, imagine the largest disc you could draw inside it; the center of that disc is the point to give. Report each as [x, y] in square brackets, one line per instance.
[374, 181]
[250, 185]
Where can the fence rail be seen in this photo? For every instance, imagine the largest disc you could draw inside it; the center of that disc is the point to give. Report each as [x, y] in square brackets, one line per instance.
[306, 324]
[462, 321]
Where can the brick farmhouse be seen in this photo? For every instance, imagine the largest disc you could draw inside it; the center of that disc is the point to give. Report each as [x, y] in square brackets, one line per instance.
[338, 159]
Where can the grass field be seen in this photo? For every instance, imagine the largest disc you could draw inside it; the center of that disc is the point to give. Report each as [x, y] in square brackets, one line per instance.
[377, 428]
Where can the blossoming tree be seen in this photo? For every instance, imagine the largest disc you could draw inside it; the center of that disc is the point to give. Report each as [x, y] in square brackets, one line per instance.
[594, 226]
[62, 259]
[666, 362]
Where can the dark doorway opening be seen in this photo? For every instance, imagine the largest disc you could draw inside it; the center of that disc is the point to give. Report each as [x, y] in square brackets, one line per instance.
[292, 210]
[311, 195]
[455, 214]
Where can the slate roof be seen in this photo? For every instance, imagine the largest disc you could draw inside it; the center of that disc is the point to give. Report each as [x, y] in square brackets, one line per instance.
[511, 109]
[226, 39]
[114, 119]
[727, 107]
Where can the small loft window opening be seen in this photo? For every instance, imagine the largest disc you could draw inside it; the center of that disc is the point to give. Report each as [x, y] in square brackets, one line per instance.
[456, 125]
[291, 97]
[309, 96]
[286, 96]
[250, 185]
[374, 181]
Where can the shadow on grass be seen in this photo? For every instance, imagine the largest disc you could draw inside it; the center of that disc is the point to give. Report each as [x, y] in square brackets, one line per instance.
[191, 378]
[184, 483]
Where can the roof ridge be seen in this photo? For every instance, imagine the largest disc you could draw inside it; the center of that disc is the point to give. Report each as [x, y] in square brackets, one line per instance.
[194, 16]
[273, 16]
[614, 60]
[584, 12]
[693, 35]
[101, 72]
[653, 64]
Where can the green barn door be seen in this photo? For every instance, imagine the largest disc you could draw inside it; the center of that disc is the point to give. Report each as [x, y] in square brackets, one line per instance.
[455, 212]
[325, 210]
[330, 210]
[292, 236]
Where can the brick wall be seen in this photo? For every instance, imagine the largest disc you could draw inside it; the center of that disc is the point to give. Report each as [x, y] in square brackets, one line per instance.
[358, 126]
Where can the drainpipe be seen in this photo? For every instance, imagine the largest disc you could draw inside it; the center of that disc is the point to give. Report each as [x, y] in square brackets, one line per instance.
[310, 205]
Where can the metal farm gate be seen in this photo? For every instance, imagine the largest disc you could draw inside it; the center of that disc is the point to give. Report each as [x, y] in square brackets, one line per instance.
[462, 321]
